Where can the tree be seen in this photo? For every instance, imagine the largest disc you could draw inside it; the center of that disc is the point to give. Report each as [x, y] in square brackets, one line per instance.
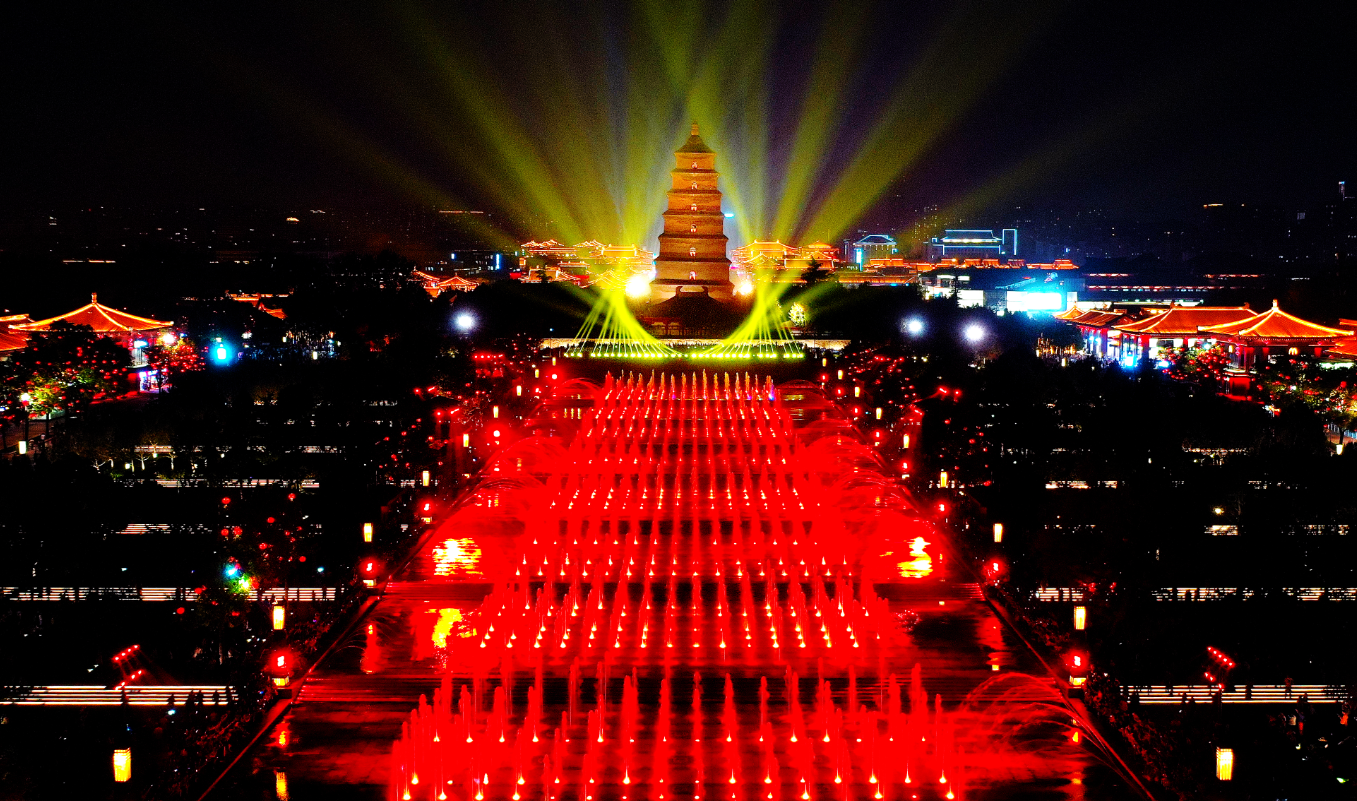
[66, 368]
[814, 273]
[180, 356]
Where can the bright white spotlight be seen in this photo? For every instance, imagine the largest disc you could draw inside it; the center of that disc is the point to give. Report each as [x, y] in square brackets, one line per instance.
[914, 326]
[464, 321]
[638, 286]
[974, 332]
[745, 287]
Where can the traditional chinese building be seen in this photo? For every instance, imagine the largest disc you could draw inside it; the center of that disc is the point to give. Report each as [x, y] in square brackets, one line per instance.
[128, 329]
[1174, 327]
[436, 285]
[1095, 326]
[693, 246]
[1273, 333]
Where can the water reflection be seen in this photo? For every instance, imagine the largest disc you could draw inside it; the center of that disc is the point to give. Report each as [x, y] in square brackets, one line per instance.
[920, 564]
[457, 557]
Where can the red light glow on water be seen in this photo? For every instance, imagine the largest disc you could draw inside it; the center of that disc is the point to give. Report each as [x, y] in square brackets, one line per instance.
[686, 600]
[457, 557]
[920, 564]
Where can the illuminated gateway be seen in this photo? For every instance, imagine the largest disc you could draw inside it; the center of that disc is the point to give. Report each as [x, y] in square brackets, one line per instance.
[693, 246]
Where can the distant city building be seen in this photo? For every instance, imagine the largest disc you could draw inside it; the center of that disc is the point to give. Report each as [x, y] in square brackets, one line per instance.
[582, 263]
[1012, 287]
[1147, 280]
[872, 246]
[469, 261]
[776, 261]
[974, 244]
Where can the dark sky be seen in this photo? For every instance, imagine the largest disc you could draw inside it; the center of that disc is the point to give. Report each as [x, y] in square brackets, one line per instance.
[1147, 107]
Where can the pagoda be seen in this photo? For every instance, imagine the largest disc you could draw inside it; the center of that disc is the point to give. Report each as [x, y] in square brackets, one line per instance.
[692, 256]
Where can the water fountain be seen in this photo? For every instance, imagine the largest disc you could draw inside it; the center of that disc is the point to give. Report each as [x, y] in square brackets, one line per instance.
[686, 531]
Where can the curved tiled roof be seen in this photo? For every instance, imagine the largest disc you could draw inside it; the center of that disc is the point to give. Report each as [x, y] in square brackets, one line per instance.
[1097, 318]
[1182, 321]
[1276, 324]
[103, 319]
[12, 340]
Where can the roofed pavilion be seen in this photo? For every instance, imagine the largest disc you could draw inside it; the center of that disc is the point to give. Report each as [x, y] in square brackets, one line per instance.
[1094, 326]
[103, 319]
[1175, 327]
[1272, 333]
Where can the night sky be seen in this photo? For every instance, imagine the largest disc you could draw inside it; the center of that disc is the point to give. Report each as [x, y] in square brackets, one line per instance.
[1149, 108]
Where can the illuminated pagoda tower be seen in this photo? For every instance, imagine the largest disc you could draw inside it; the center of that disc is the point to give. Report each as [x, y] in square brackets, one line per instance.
[693, 246]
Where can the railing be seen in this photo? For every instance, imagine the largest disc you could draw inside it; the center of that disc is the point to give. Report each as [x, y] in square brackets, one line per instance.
[244, 482]
[144, 695]
[1060, 594]
[1078, 594]
[1242, 694]
[273, 595]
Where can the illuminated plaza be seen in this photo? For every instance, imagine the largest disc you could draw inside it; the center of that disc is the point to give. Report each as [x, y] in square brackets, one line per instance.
[685, 585]
[719, 401]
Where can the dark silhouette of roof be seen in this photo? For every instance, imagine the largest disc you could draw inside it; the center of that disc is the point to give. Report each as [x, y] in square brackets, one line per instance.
[697, 312]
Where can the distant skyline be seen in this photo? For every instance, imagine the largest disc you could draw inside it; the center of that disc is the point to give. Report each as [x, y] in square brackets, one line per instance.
[1151, 110]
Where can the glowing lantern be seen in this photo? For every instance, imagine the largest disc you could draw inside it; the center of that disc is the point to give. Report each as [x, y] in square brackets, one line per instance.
[122, 764]
[1080, 618]
[424, 478]
[278, 617]
[1225, 764]
[905, 444]
[857, 392]
[878, 412]
[494, 412]
[942, 480]
[840, 375]
[23, 447]
[466, 440]
[998, 532]
[518, 390]
[367, 532]
[280, 786]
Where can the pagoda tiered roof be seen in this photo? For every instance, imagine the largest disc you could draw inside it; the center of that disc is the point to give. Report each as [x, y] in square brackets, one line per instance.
[1186, 321]
[103, 319]
[1275, 324]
